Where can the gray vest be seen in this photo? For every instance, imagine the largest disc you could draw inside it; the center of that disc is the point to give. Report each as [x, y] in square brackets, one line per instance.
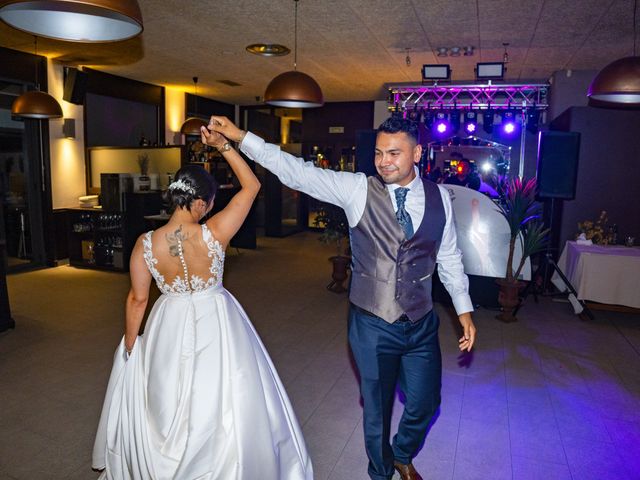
[391, 275]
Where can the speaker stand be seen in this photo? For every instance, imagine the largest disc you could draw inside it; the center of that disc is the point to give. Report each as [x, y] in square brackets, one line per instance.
[579, 307]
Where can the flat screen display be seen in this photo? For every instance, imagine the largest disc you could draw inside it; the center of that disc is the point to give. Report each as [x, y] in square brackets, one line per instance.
[116, 122]
[436, 72]
[490, 70]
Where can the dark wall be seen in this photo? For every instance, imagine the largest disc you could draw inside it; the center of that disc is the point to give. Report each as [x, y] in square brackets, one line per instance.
[568, 89]
[21, 66]
[116, 122]
[607, 169]
[109, 85]
[119, 111]
[205, 107]
[352, 116]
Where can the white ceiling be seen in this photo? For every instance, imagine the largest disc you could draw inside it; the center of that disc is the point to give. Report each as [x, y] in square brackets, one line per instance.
[351, 47]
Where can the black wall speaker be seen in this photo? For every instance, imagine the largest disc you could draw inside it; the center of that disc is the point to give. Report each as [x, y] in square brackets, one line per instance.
[366, 152]
[75, 86]
[558, 164]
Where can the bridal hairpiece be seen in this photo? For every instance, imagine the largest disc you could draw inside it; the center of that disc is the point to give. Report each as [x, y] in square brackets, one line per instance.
[182, 186]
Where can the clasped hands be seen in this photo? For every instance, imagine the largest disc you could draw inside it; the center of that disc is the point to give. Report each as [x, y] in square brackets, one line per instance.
[219, 131]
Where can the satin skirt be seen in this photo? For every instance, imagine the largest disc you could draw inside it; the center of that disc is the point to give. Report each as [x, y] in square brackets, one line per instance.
[198, 398]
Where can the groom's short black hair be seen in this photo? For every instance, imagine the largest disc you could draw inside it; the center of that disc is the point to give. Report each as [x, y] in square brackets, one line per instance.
[397, 125]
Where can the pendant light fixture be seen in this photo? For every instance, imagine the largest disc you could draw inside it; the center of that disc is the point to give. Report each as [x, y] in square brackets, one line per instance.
[618, 84]
[75, 20]
[34, 103]
[294, 89]
[191, 125]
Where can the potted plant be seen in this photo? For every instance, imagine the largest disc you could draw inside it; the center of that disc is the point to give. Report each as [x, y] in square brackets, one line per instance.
[142, 182]
[336, 231]
[522, 213]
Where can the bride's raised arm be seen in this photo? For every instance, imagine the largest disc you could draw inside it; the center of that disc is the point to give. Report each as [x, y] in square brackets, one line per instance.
[228, 221]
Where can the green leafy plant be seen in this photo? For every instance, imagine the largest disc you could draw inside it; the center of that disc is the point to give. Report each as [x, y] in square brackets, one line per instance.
[522, 213]
[336, 226]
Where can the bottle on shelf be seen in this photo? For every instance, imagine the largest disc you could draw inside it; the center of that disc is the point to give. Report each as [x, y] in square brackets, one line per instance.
[313, 157]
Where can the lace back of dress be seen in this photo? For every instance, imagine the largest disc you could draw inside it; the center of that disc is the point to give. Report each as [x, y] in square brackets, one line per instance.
[184, 262]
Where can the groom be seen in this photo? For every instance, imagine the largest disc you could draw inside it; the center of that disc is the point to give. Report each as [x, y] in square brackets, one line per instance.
[400, 227]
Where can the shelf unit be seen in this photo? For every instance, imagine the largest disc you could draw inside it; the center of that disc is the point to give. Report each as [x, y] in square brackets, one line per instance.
[104, 239]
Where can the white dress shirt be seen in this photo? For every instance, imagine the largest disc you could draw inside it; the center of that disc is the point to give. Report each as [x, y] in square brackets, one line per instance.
[349, 191]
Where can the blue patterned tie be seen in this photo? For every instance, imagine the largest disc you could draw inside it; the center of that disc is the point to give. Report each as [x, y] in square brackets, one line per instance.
[401, 214]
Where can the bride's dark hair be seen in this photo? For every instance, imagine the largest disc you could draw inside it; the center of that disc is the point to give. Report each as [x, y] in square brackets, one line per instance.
[192, 182]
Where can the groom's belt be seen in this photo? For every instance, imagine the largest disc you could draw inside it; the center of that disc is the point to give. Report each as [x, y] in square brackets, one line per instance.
[401, 318]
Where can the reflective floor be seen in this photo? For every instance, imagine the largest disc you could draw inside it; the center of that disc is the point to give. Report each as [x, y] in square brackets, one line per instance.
[549, 397]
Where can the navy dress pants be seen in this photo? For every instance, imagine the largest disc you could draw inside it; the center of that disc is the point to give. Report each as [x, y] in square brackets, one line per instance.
[389, 354]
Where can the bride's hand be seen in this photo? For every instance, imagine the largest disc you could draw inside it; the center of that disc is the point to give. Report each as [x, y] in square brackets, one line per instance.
[212, 138]
[129, 344]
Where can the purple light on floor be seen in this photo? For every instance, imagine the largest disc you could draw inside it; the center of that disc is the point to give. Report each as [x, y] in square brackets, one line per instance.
[441, 127]
[509, 127]
[471, 127]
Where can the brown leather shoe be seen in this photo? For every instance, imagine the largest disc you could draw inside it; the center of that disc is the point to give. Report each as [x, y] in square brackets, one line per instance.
[407, 472]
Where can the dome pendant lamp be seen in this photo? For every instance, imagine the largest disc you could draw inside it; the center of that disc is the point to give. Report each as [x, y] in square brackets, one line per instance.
[191, 125]
[618, 84]
[85, 21]
[34, 103]
[294, 89]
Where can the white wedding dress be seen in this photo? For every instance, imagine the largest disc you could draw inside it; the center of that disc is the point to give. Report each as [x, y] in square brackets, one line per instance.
[199, 397]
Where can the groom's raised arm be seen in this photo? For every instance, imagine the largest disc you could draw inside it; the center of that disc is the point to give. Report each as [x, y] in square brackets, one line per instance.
[340, 188]
[323, 184]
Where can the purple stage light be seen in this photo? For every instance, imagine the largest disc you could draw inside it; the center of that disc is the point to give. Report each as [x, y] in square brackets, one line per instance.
[441, 127]
[471, 127]
[509, 127]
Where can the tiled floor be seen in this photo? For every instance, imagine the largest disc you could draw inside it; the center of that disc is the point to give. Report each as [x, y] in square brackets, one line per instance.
[549, 397]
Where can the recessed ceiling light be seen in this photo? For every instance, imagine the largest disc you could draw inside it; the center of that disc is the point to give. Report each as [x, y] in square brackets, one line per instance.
[442, 51]
[268, 49]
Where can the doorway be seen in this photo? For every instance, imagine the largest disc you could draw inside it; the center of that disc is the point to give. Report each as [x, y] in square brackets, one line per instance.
[21, 225]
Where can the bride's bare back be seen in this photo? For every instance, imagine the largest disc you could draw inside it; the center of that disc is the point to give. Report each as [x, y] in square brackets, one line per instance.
[183, 258]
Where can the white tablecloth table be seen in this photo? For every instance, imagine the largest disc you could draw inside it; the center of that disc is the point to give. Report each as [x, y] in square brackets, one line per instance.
[602, 273]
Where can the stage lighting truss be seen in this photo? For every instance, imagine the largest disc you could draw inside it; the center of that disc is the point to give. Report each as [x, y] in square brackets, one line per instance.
[475, 96]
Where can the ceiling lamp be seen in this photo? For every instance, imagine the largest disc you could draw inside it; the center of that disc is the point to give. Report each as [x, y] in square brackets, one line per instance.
[36, 104]
[618, 84]
[268, 49]
[192, 125]
[294, 89]
[74, 20]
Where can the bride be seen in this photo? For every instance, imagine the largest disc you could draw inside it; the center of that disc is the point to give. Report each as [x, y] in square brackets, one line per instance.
[196, 396]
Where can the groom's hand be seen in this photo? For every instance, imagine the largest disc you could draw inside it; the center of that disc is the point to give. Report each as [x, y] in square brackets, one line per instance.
[226, 127]
[213, 139]
[469, 332]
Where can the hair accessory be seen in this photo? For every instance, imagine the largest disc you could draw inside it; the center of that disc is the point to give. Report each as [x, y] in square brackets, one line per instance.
[182, 186]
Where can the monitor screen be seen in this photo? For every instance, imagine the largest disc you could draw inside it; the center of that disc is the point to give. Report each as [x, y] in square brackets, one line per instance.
[490, 70]
[436, 72]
